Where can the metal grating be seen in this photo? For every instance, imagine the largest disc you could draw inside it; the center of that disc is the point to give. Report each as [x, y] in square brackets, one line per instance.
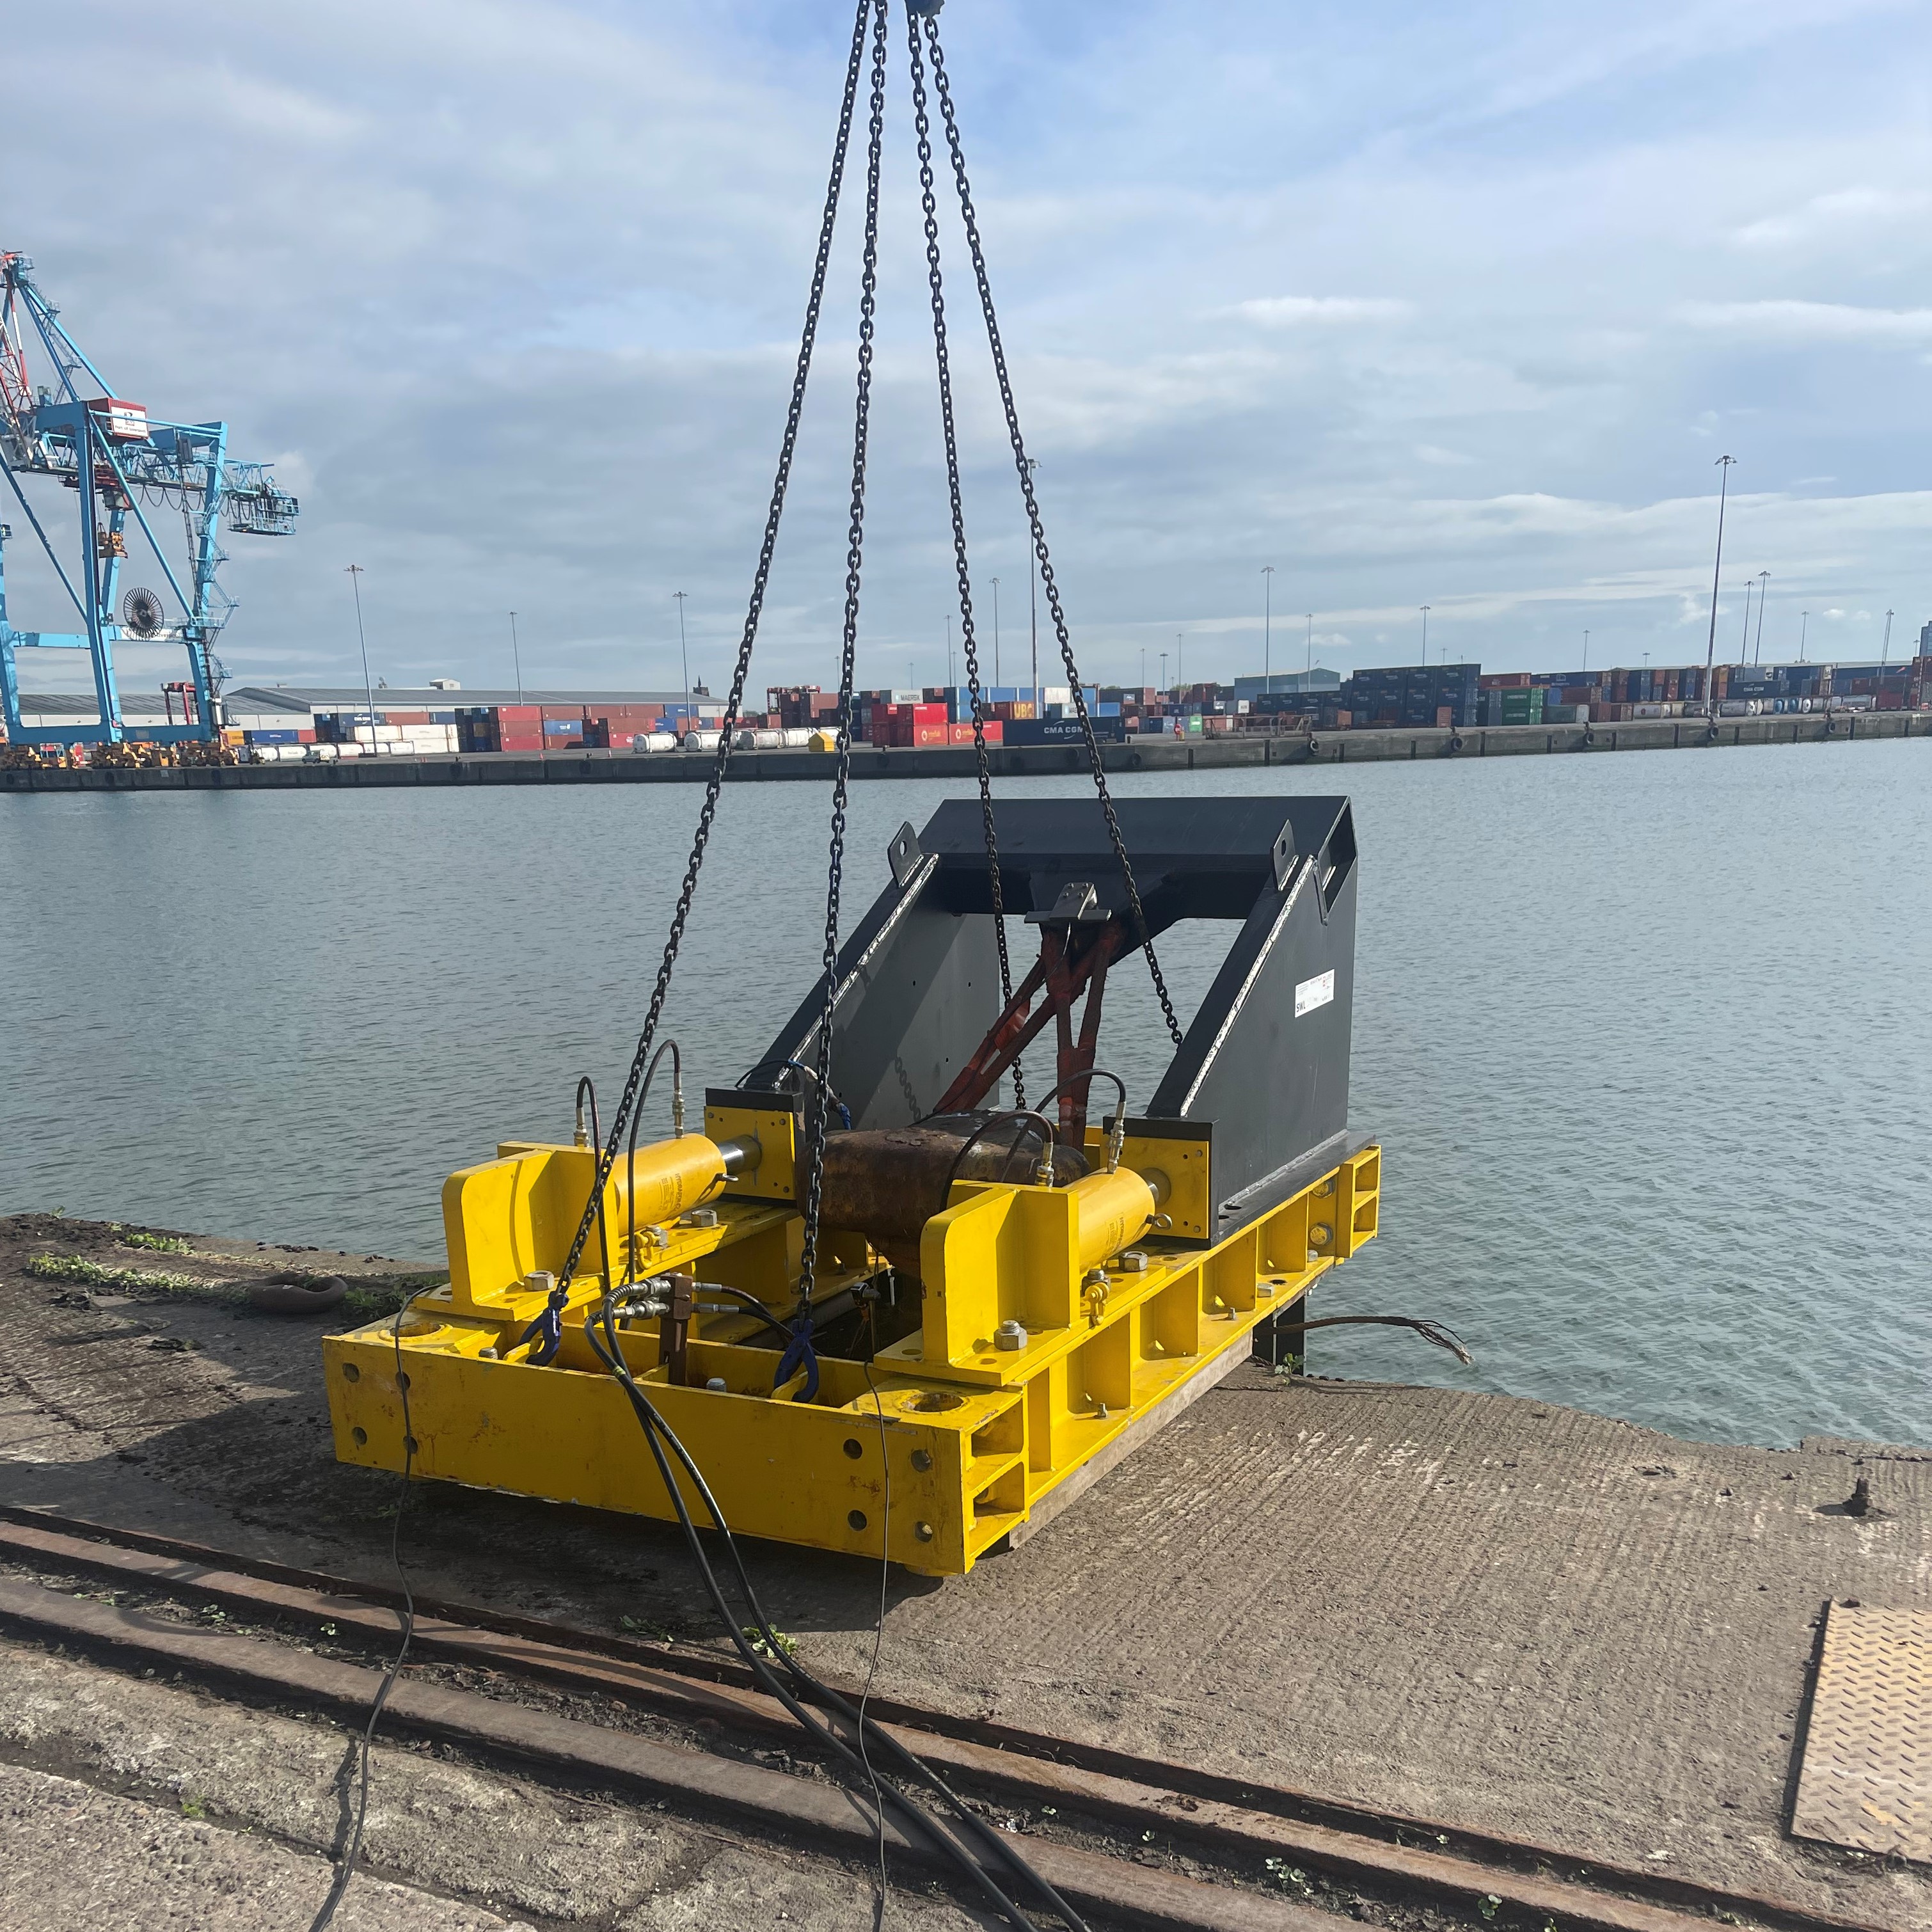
[1866, 1779]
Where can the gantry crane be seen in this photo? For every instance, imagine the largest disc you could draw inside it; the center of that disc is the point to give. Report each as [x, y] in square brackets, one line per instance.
[116, 458]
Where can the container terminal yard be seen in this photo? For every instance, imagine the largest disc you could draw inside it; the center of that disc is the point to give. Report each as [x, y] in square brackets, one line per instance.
[442, 734]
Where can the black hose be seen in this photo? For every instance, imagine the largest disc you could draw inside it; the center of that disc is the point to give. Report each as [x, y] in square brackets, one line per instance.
[630, 1157]
[1092, 1073]
[1429, 1331]
[753, 1306]
[609, 1350]
[986, 1127]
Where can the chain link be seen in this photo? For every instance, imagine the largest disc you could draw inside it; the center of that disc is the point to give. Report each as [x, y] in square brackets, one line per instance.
[936, 281]
[944, 88]
[855, 547]
[607, 1158]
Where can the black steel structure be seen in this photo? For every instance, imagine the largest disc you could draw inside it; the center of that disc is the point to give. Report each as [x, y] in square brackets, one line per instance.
[1261, 1073]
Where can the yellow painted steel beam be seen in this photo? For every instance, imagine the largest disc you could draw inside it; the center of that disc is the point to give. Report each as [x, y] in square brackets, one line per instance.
[978, 1426]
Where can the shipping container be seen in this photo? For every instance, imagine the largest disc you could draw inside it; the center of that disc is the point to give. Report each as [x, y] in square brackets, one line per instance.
[1063, 731]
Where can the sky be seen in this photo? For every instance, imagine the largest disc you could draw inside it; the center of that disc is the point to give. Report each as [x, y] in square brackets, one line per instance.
[1416, 306]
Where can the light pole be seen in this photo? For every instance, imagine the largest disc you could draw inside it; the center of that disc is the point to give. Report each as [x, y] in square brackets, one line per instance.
[1586, 650]
[683, 649]
[1163, 673]
[1425, 634]
[1310, 678]
[1744, 642]
[517, 658]
[949, 651]
[355, 571]
[1885, 650]
[1180, 676]
[1803, 625]
[1763, 585]
[996, 630]
[1267, 628]
[1033, 596]
[1724, 464]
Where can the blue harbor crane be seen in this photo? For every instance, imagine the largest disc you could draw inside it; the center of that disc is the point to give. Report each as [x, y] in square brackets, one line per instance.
[119, 462]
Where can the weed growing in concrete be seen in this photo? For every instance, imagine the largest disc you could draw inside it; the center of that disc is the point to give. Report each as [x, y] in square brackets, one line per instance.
[78, 1268]
[159, 1244]
[193, 1807]
[1489, 1905]
[755, 1637]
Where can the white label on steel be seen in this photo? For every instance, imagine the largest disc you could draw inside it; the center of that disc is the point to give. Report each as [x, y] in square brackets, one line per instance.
[1315, 992]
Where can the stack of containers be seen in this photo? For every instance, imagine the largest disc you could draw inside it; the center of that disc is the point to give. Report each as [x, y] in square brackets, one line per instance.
[909, 725]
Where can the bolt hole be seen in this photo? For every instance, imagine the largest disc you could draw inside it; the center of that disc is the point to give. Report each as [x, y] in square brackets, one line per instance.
[853, 1448]
[361, 1436]
[411, 1445]
[402, 1382]
[856, 1518]
[922, 1460]
[350, 1373]
[923, 1530]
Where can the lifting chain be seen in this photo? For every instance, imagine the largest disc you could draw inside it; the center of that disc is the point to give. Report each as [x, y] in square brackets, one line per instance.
[937, 282]
[798, 1353]
[944, 88]
[607, 1158]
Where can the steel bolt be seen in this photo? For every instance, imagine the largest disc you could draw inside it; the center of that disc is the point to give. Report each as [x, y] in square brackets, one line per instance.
[1009, 1336]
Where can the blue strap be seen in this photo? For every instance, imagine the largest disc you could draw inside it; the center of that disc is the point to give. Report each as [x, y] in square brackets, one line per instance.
[798, 1354]
[546, 1331]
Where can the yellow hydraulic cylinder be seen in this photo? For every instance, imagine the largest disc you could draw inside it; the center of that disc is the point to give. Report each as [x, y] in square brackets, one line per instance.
[672, 1177]
[1115, 1209]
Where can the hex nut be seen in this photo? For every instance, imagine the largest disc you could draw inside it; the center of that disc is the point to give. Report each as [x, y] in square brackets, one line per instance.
[1009, 1336]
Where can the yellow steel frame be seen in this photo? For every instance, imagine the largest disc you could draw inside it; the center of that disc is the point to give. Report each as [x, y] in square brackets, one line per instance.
[966, 1437]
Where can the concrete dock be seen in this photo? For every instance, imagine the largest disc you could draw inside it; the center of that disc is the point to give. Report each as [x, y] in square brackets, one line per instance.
[871, 761]
[1506, 1616]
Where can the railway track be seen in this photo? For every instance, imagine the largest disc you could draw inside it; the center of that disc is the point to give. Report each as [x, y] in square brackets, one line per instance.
[1133, 1840]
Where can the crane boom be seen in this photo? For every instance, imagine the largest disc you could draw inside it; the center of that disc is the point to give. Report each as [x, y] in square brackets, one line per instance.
[120, 462]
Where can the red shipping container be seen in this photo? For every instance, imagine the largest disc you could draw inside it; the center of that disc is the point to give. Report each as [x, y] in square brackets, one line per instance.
[404, 717]
[521, 741]
[520, 714]
[930, 734]
[304, 737]
[1504, 680]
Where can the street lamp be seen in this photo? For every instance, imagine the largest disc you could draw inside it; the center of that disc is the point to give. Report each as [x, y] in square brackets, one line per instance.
[949, 649]
[1763, 585]
[996, 630]
[1425, 634]
[1586, 650]
[1885, 650]
[683, 649]
[1805, 624]
[1033, 595]
[1310, 678]
[1724, 464]
[516, 659]
[354, 571]
[1268, 626]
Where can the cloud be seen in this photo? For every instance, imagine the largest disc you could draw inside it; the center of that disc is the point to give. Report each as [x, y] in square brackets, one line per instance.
[1295, 311]
[1810, 322]
[513, 286]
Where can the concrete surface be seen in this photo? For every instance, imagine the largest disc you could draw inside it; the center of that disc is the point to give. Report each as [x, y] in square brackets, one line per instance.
[1491, 1612]
[131, 1796]
[76, 1856]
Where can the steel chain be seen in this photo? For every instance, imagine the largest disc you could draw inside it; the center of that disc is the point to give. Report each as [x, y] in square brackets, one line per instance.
[855, 545]
[936, 281]
[607, 1157]
[943, 87]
